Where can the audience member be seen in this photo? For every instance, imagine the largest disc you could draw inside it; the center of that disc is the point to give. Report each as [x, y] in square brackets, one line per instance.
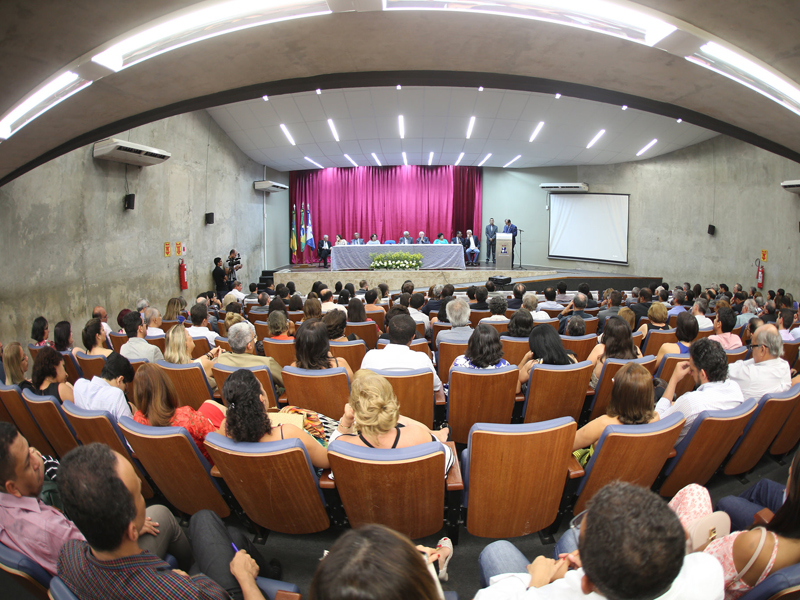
[641, 307]
[458, 316]
[336, 322]
[179, 348]
[678, 299]
[576, 326]
[261, 307]
[497, 308]
[562, 296]
[766, 372]
[326, 297]
[614, 305]
[242, 340]
[658, 315]
[357, 314]
[531, 303]
[519, 291]
[137, 347]
[173, 312]
[481, 294]
[550, 300]
[371, 299]
[106, 392]
[49, 376]
[278, 326]
[546, 348]
[699, 310]
[199, 328]
[98, 312]
[311, 309]
[312, 348]
[152, 319]
[724, 323]
[785, 321]
[416, 303]
[686, 331]
[295, 303]
[615, 342]
[575, 307]
[15, 365]
[749, 309]
[484, 350]
[62, 338]
[236, 291]
[40, 331]
[627, 315]
[520, 324]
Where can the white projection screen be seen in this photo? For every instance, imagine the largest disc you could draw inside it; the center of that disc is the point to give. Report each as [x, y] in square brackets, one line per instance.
[591, 227]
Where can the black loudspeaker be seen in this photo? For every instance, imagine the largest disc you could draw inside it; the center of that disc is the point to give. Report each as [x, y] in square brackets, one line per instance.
[209, 218]
[711, 230]
[130, 200]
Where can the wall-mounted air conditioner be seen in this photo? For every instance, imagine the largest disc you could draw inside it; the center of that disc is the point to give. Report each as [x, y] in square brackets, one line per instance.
[129, 153]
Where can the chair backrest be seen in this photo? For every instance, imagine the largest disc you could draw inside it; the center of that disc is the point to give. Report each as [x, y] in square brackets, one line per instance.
[705, 446]
[71, 366]
[100, 426]
[223, 330]
[325, 391]
[117, 340]
[667, 367]
[47, 412]
[704, 333]
[12, 401]
[500, 326]
[554, 323]
[222, 342]
[605, 383]
[90, 365]
[673, 321]
[420, 329]
[190, 383]
[632, 453]
[201, 346]
[29, 574]
[416, 345]
[480, 396]
[172, 459]
[262, 329]
[159, 341]
[530, 484]
[657, 338]
[514, 348]
[772, 412]
[790, 352]
[274, 482]
[638, 338]
[295, 315]
[282, 351]
[352, 352]
[591, 325]
[414, 391]
[780, 585]
[374, 486]
[448, 352]
[33, 350]
[475, 317]
[787, 437]
[222, 372]
[553, 312]
[556, 391]
[365, 330]
[380, 318]
[167, 325]
[581, 345]
[736, 354]
[436, 328]
[643, 321]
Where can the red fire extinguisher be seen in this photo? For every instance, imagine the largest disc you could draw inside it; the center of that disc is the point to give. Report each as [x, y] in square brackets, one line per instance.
[759, 275]
[182, 274]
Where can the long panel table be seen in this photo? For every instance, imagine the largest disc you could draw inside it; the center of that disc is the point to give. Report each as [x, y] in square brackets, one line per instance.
[434, 256]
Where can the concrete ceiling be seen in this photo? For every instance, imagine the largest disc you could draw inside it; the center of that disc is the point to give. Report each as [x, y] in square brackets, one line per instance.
[359, 49]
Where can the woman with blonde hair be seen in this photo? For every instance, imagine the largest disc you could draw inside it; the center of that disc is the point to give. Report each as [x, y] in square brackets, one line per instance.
[155, 398]
[628, 315]
[657, 313]
[173, 312]
[231, 319]
[178, 351]
[15, 363]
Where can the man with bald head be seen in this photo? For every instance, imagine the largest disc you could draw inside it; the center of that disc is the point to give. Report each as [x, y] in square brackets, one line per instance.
[98, 312]
[766, 372]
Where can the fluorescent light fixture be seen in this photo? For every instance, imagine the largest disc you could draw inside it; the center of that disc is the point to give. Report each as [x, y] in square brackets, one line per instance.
[40, 101]
[319, 91]
[485, 158]
[347, 156]
[536, 131]
[265, 98]
[458, 160]
[480, 88]
[430, 159]
[647, 147]
[624, 107]
[333, 129]
[188, 26]
[376, 159]
[680, 120]
[558, 96]
[402, 125]
[313, 162]
[405, 159]
[595, 138]
[512, 161]
[287, 134]
[470, 126]
[399, 87]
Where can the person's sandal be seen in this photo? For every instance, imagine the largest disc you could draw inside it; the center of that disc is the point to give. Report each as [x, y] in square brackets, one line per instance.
[445, 543]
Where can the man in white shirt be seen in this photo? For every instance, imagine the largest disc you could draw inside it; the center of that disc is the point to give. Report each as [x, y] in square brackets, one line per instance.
[199, 328]
[237, 292]
[106, 392]
[327, 303]
[623, 524]
[152, 319]
[136, 347]
[550, 299]
[415, 303]
[708, 366]
[531, 303]
[397, 356]
[699, 309]
[766, 372]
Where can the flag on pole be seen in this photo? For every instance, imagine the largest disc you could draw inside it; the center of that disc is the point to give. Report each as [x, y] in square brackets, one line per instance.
[293, 235]
[309, 232]
[302, 227]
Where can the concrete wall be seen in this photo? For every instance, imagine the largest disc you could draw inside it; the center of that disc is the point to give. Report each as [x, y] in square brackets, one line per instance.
[68, 244]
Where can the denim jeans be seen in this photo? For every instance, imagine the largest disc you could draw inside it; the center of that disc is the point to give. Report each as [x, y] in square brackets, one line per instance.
[743, 508]
[499, 558]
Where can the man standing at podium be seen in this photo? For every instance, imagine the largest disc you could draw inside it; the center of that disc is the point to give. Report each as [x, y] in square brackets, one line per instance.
[491, 240]
[512, 229]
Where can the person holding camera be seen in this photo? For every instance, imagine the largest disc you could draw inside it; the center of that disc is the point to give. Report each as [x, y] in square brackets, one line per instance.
[234, 264]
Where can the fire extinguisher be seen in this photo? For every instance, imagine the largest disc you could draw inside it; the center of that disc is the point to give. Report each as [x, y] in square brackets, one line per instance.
[759, 275]
[182, 274]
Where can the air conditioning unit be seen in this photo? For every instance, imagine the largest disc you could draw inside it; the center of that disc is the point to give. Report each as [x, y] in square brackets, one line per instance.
[269, 186]
[792, 186]
[129, 152]
[564, 187]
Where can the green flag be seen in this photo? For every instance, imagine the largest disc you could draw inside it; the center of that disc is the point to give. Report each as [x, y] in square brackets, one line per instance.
[293, 236]
[302, 227]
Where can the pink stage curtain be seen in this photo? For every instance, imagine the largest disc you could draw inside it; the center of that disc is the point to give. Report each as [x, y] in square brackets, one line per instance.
[386, 201]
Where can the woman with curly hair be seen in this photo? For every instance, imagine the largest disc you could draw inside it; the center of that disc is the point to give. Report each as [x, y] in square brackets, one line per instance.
[312, 347]
[336, 321]
[49, 376]
[93, 338]
[484, 350]
[616, 342]
[247, 419]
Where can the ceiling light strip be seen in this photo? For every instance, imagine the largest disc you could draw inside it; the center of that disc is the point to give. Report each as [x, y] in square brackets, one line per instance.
[512, 161]
[647, 147]
[595, 138]
[470, 126]
[287, 134]
[405, 159]
[333, 129]
[347, 156]
[458, 160]
[401, 126]
[313, 162]
[430, 159]
[485, 158]
[376, 159]
[536, 131]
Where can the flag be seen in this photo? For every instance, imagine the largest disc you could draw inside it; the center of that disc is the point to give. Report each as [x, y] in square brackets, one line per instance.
[309, 232]
[302, 227]
[293, 235]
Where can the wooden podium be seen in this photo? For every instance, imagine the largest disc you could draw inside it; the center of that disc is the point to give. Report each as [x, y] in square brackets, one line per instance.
[503, 251]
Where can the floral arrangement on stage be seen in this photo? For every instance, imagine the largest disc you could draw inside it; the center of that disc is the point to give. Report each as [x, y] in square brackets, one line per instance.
[396, 261]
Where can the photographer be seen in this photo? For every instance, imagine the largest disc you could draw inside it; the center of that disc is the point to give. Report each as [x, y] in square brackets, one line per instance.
[234, 264]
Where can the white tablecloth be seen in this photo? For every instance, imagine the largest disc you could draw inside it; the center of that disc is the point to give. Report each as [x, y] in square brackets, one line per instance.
[434, 256]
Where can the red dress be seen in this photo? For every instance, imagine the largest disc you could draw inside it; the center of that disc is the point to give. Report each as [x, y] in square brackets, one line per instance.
[195, 422]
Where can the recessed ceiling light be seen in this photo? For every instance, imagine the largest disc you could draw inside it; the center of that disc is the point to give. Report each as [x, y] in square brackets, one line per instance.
[376, 159]
[287, 134]
[646, 148]
[485, 158]
[558, 96]
[319, 91]
[399, 87]
[470, 126]
[430, 159]
[513, 160]
[458, 160]
[333, 129]
[536, 131]
[624, 107]
[313, 162]
[595, 138]
[402, 124]
[347, 156]
[265, 98]
[405, 159]
[680, 120]
[480, 89]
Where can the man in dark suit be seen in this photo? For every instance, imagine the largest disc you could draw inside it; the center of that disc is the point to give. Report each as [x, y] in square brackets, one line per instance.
[519, 291]
[357, 240]
[614, 306]
[472, 246]
[512, 229]
[324, 250]
[458, 239]
[481, 294]
[422, 239]
[406, 239]
[574, 308]
[643, 305]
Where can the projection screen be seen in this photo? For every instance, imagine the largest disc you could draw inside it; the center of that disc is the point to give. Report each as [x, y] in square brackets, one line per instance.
[590, 227]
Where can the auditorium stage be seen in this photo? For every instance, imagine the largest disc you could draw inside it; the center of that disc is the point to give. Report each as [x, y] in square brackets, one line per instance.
[534, 277]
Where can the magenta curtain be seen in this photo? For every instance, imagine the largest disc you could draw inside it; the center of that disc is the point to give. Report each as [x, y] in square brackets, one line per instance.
[386, 201]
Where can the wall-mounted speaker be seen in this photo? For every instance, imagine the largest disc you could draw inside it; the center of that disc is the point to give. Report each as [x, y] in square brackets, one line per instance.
[209, 218]
[711, 230]
[130, 200]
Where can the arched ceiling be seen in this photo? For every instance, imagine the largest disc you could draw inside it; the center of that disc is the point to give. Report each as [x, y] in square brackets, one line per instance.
[357, 49]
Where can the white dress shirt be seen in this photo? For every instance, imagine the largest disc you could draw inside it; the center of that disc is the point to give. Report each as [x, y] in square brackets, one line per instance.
[98, 394]
[395, 357]
[540, 315]
[420, 317]
[704, 322]
[552, 304]
[136, 348]
[155, 332]
[756, 379]
[203, 332]
[237, 294]
[326, 306]
[714, 395]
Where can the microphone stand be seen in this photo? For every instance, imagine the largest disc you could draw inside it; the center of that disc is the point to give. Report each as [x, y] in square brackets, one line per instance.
[520, 231]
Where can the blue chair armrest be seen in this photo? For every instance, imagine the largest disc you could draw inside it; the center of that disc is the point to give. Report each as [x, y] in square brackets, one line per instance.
[270, 587]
